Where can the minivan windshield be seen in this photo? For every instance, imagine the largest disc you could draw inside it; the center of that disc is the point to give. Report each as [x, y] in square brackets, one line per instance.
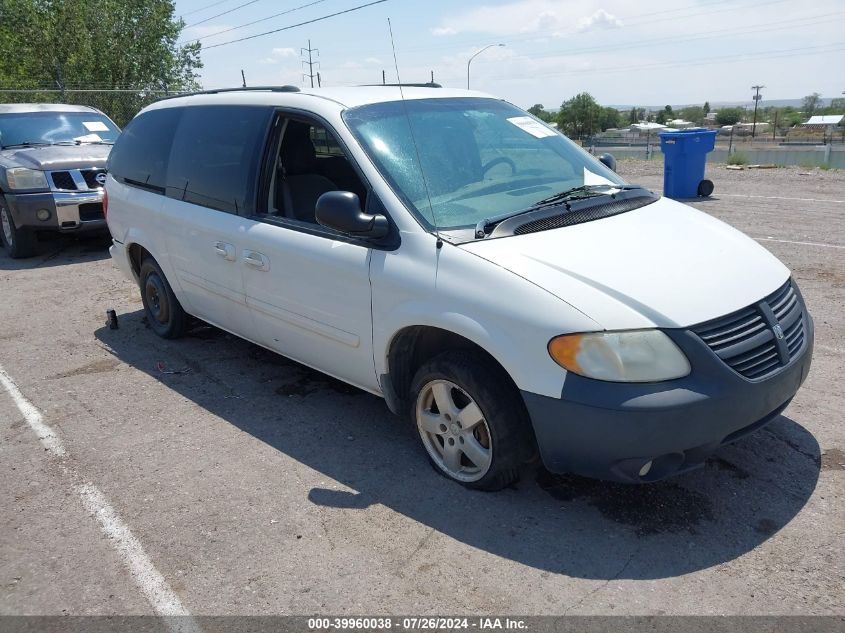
[475, 158]
[48, 128]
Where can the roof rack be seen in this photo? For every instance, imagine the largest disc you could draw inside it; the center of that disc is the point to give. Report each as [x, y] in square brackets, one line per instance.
[241, 89]
[428, 84]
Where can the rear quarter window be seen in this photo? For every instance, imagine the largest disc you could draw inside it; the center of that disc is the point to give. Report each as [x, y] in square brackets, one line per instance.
[216, 154]
[140, 155]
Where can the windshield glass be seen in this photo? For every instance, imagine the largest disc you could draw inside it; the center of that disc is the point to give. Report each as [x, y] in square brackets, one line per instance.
[56, 127]
[480, 158]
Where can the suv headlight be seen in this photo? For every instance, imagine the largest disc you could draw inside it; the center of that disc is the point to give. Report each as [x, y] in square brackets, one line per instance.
[633, 356]
[21, 178]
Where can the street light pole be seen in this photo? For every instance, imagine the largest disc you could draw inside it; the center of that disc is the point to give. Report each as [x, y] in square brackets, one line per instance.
[476, 55]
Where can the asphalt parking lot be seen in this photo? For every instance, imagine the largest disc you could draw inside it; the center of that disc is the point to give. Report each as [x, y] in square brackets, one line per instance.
[252, 485]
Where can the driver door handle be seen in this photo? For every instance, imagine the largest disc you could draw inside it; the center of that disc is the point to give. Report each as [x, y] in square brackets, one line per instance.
[256, 260]
[226, 251]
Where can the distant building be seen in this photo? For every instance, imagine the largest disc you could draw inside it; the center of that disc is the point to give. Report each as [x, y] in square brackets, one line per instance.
[823, 123]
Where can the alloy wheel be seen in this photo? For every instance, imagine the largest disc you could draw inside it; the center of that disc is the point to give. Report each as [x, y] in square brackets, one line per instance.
[454, 431]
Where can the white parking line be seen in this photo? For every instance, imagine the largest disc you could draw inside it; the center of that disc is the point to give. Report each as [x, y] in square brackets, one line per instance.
[33, 417]
[152, 584]
[771, 239]
[745, 195]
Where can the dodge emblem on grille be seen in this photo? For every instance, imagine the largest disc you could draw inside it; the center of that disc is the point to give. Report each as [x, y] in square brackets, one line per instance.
[101, 178]
[778, 332]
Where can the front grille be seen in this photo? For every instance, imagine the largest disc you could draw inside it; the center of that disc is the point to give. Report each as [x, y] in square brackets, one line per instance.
[90, 176]
[580, 216]
[91, 211]
[760, 339]
[63, 180]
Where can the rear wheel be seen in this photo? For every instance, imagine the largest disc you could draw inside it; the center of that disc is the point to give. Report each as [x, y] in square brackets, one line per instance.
[18, 242]
[471, 420]
[163, 310]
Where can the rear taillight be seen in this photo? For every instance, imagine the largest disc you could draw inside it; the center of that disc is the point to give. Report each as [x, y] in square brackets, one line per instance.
[105, 203]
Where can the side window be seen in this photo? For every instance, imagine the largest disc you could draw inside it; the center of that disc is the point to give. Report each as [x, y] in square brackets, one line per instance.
[139, 157]
[310, 162]
[215, 157]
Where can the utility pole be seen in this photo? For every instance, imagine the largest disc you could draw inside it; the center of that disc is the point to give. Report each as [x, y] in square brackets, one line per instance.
[757, 98]
[310, 74]
[243, 77]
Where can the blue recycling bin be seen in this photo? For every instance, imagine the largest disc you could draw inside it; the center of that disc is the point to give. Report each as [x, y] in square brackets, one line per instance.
[684, 155]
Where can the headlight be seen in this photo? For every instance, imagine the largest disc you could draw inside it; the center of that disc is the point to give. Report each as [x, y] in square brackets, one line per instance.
[634, 356]
[22, 178]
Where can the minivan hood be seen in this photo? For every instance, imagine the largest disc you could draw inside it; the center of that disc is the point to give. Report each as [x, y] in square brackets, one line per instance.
[51, 157]
[664, 265]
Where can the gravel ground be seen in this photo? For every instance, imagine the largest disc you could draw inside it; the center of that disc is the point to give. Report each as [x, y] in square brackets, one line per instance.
[257, 486]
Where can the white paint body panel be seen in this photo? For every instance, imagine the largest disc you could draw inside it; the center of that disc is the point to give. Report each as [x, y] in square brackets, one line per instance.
[337, 307]
[664, 265]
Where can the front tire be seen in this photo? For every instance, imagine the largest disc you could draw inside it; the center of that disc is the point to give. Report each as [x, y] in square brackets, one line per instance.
[471, 420]
[163, 310]
[18, 242]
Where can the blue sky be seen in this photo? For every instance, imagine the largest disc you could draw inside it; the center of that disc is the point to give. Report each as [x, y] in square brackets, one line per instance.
[622, 52]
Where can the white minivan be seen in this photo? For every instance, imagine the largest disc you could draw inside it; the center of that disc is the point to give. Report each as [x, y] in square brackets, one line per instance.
[454, 255]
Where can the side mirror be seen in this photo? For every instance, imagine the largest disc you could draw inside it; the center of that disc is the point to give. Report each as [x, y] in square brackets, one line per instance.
[341, 211]
[608, 161]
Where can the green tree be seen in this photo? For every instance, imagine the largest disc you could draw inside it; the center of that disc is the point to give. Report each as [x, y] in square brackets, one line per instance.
[661, 117]
[102, 44]
[729, 116]
[810, 103]
[634, 115]
[693, 113]
[540, 112]
[609, 118]
[706, 107]
[837, 106]
[580, 116]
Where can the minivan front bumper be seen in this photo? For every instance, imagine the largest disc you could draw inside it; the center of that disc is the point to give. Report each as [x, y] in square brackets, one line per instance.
[613, 430]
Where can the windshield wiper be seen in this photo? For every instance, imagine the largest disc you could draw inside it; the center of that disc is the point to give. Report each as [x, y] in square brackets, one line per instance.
[575, 193]
[25, 144]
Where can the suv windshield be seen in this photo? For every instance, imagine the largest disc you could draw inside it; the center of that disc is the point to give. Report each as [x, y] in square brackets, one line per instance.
[477, 158]
[36, 128]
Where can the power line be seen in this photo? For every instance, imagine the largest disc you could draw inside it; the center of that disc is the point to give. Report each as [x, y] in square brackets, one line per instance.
[636, 20]
[704, 35]
[293, 26]
[208, 6]
[734, 58]
[240, 6]
[269, 17]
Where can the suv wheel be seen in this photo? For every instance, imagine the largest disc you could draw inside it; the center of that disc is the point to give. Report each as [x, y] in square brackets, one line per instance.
[163, 310]
[18, 242]
[471, 421]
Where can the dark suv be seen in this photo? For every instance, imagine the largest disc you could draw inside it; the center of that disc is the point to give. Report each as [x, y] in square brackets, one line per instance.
[52, 171]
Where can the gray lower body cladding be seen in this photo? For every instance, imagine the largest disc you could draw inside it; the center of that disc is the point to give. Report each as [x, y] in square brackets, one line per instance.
[613, 430]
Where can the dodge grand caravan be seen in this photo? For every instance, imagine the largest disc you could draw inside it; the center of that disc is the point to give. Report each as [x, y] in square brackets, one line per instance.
[484, 275]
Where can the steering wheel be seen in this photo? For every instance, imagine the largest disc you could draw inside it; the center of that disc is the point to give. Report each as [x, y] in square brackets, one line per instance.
[498, 161]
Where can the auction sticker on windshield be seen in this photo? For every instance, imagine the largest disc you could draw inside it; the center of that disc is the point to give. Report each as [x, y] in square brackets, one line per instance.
[534, 128]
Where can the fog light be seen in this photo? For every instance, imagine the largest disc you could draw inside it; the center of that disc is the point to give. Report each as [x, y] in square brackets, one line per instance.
[645, 469]
[43, 214]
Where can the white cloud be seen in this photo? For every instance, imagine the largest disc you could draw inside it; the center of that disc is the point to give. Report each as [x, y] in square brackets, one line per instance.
[277, 55]
[372, 60]
[203, 30]
[284, 52]
[601, 19]
[520, 16]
